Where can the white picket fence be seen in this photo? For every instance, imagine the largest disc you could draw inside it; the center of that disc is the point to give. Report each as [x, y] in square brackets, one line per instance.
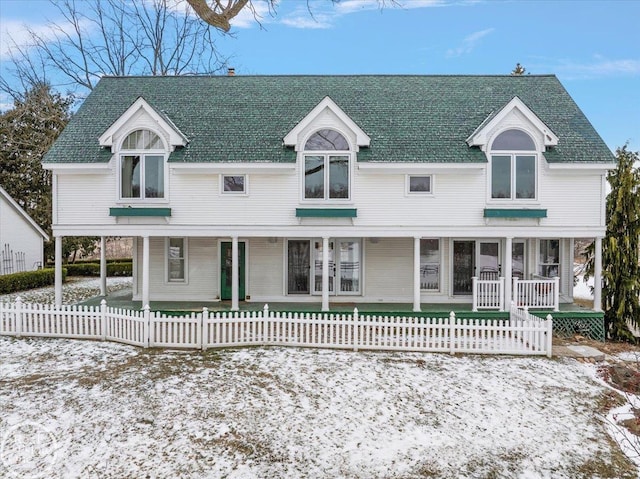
[522, 334]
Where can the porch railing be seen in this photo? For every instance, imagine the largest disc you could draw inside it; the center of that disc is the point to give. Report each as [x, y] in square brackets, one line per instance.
[540, 293]
[488, 294]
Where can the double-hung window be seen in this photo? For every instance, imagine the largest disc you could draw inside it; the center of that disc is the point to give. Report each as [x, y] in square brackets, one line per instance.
[327, 166]
[176, 260]
[549, 258]
[142, 162]
[430, 264]
[513, 166]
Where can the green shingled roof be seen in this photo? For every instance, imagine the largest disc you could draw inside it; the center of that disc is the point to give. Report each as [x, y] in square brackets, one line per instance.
[408, 118]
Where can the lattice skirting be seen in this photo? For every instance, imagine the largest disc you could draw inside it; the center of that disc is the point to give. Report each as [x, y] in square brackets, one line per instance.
[590, 327]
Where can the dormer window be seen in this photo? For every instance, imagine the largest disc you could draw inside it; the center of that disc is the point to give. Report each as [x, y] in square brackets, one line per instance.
[142, 165]
[326, 166]
[513, 166]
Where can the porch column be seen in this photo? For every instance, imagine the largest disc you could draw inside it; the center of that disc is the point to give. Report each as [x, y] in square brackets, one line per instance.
[103, 266]
[597, 275]
[58, 272]
[145, 271]
[235, 277]
[507, 271]
[325, 273]
[416, 274]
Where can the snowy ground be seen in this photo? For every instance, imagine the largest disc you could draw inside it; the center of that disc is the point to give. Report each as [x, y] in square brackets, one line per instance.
[74, 290]
[80, 409]
[74, 409]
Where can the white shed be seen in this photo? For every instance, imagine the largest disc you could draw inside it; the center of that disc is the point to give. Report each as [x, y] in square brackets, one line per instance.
[21, 239]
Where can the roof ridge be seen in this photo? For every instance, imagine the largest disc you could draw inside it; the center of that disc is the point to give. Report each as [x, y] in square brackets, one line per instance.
[342, 75]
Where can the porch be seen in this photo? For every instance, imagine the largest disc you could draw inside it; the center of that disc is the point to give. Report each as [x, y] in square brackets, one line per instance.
[124, 299]
[570, 318]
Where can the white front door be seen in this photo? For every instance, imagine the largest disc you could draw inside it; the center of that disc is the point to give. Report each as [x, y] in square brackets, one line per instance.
[345, 266]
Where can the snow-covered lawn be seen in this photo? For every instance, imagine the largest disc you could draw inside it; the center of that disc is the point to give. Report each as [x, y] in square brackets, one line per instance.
[74, 290]
[101, 410]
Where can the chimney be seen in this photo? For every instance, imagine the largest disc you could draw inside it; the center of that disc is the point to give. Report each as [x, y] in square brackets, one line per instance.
[231, 71]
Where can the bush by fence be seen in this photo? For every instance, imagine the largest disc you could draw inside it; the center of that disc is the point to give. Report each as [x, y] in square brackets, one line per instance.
[10, 283]
[93, 269]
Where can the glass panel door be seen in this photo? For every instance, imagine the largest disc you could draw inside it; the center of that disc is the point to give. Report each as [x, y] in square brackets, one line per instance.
[349, 267]
[345, 266]
[464, 266]
[317, 267]
[517, 260]
[299, 267]
[489, 260]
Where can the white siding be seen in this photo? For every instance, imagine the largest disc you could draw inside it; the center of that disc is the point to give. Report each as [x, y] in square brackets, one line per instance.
[266, 269]
[388, 269]
[459, 200]
[21, 237]
[86, 199]
[202, 278]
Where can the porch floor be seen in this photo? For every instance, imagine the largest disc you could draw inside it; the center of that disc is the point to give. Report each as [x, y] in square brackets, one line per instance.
[124, 299]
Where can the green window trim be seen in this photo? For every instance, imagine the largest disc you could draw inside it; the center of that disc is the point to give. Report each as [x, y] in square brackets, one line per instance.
[136, 211]
[326, 212]
[514, 213]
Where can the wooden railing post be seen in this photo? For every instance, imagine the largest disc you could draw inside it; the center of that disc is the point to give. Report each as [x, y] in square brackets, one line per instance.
[515, 294]
[147, 330]
[556, 293]
[474, 282]
[452, 322]
[501, 293]
[355, 329]
[549, 334]
[265, 323]
[203, 329]
[18, 316]
[103, 319]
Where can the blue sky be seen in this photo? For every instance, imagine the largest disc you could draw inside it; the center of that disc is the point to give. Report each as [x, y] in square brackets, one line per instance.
[592, 46]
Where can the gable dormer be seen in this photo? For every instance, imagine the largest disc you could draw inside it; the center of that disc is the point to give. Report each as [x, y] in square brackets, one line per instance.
[515, 114]
[142, 115]
[326, 114]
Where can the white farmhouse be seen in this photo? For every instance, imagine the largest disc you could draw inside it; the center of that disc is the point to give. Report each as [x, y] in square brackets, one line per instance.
[21, 239]
[332, 189]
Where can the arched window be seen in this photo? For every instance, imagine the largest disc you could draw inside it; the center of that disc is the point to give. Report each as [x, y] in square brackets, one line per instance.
[513, 166]
[326, 170]
[142, 166]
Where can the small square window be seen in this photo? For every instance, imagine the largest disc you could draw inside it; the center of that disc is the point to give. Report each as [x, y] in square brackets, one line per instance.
[234, 184]
[420, 184]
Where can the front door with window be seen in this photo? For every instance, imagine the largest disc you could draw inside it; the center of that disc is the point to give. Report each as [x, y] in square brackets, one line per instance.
[226, 260]
[474, 258]
[304, 268]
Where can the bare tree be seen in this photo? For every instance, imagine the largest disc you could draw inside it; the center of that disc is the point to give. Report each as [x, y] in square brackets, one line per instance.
[112, 37]
[219, 13]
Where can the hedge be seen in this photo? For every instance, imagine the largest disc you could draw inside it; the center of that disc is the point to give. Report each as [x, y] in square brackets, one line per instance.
[96, 261]
[10, 283]
[93, 269]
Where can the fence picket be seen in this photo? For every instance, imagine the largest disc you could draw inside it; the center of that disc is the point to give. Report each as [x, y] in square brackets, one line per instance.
[523, 333]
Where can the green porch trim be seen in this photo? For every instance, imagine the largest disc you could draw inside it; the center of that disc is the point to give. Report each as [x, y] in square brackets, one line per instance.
[326, 212]
[514, 213]
[139, 211]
